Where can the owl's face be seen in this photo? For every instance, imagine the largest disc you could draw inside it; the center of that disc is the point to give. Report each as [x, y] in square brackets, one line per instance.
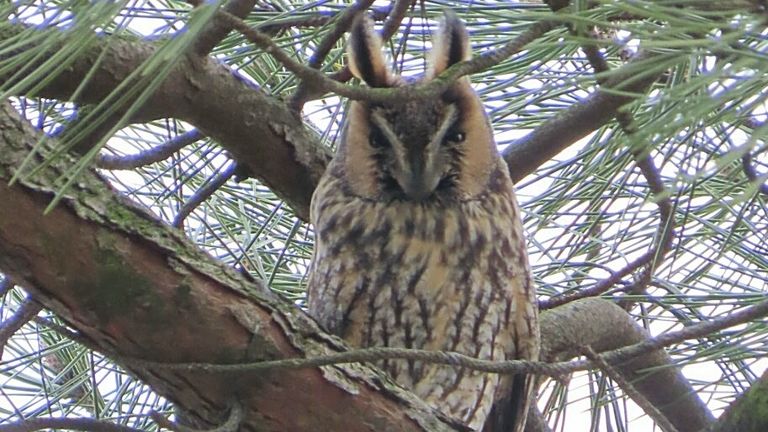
[439, 149]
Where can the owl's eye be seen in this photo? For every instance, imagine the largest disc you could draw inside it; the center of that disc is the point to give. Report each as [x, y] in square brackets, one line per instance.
[454, 136]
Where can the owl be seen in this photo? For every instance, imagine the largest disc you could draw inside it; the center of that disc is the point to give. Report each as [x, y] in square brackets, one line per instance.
[418, 238]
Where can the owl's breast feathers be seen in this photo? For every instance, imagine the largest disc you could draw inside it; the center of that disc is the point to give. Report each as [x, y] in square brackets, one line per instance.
[449, 276]
[419, 242]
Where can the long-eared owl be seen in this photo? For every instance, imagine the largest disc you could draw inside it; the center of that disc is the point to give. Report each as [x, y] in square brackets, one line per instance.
[419, 242]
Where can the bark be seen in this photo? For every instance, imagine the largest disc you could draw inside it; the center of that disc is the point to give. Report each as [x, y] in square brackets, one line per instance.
[215, 31]
[749, 413]
[604, 326]
[137, 289]
[536, 421]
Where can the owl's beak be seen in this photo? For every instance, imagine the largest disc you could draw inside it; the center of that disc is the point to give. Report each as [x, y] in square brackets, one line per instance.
[421, 182]
[418, 192]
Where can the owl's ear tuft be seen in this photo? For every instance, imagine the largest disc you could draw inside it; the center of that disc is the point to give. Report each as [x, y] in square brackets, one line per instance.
[364, 50]
[451, 44]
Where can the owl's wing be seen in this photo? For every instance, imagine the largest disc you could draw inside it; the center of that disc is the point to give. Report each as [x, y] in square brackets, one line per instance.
[510, 409]
[508, 412]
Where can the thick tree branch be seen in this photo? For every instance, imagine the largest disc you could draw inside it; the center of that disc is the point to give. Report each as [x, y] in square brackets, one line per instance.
[630, 390]
[747, 413]
[528, 153]
[131, 285]
[259, 131]
[605, 326]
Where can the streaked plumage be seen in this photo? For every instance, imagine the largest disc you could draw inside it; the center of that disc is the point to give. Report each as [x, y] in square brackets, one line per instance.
[419, 242]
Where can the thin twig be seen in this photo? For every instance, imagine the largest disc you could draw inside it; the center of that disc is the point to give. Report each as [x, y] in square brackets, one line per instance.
[630, 390]
[316, 19]
[366, 355]
[650, 259]
[202, 194]
[391, 25]
[216, 30]
[555, 369]
[343, 23]
[417, 91]
[305, 92]
[395, 18]
[155, 154]
[600, 287]
[26, 311]
[665, 232]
